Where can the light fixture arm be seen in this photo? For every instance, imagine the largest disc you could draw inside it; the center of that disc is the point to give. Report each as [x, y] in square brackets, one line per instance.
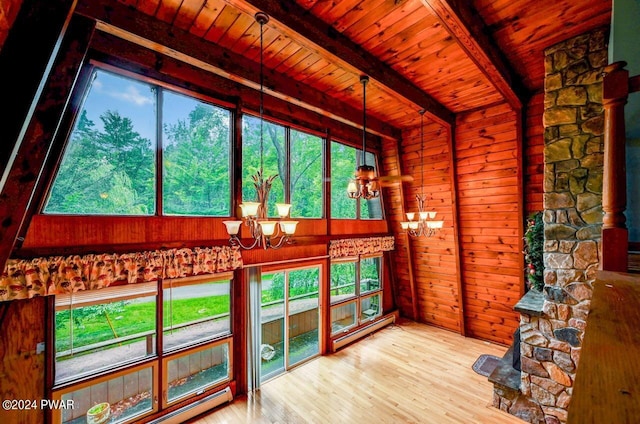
[425, 225]
[264, 232]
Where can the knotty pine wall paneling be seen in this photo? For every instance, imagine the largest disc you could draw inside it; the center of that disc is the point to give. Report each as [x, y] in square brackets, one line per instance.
[533, 154]
[490, 220]
[393, 198]
[21, 367]
[435, 260]
[425, 267]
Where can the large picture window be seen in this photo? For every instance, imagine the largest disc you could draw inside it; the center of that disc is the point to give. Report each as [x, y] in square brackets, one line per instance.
[101, 329]
[196, 160]
[294, 156]
[344, 161]
[109, 164]
[194, 311]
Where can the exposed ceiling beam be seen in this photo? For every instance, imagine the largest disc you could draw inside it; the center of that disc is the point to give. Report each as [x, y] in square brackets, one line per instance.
[292, 20]
[124, 22]
[468, 29]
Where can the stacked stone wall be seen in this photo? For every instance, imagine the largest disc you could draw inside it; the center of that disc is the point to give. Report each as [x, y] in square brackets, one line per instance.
[573, 155]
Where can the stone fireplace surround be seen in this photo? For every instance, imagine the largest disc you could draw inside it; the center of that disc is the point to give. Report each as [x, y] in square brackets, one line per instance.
[552, 323]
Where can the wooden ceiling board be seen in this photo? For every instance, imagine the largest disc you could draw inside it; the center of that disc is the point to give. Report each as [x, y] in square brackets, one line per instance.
[366, 13]
[419, 38]
[237, 30]
[407, 36]
[205, 18]
[222, 24]
[189, 10]
[149, 7]
[523, 30]
[168, 10]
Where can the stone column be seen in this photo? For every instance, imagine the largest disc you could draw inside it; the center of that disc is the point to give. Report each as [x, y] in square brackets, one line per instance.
[573, 154]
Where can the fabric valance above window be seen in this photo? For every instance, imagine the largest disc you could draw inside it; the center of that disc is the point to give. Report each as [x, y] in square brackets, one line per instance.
[27, 278]
[360, 246]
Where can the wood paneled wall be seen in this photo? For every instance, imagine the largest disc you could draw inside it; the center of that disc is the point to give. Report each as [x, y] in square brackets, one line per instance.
[533, 155]
[434, 258]
[490, 220]
[21, 367]
[432, 282]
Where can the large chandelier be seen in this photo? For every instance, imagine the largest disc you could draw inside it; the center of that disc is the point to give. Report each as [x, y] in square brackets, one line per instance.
[264, 232]
[426, 224]
[365, 184]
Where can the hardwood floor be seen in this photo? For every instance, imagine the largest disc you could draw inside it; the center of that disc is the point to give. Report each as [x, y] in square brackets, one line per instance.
[405, 373]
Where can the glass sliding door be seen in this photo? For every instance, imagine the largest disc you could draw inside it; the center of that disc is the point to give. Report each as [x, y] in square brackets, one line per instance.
[272, 313]
[289, 320]
[303, 314]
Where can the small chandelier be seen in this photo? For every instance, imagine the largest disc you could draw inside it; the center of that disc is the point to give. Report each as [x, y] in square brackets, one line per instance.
[365, 184]
[426, 225]
[265, 233]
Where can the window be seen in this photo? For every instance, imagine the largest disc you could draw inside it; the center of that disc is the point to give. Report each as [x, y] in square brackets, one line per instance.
[195, 311]
[192, 373]
[307, 188]
[301, 174]
[344, 161]
[109, 164]
[289, 319]
[105, 347]
[351, 303]
[196, 160]
[117, 398]
[101, 329]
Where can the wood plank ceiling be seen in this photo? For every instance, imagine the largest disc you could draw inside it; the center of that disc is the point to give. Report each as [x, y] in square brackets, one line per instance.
[432, 54]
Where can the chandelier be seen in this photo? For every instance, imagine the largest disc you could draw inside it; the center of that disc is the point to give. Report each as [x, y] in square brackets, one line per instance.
[365, 184]
[425, 225]
[264, 232]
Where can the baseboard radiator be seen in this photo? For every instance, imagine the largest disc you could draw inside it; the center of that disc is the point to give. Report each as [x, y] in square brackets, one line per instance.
[360, 333]
[183, 414]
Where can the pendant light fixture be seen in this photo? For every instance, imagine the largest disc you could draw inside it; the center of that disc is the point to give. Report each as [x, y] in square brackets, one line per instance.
[365, 184]
[265, 233]
[426, 225]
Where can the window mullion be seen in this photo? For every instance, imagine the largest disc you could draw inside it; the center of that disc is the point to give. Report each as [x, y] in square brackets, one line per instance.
[159, 150]
[287, 155]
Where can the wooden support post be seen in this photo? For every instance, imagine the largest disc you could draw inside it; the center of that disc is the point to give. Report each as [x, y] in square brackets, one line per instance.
[32, 152]
[615, 90]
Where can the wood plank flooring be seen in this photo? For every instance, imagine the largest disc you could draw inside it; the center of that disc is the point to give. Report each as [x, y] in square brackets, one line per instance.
[404, 373]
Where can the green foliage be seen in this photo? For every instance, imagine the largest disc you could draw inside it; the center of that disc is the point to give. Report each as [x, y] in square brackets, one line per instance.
[533, 251]
[301, 282]
[196, 163]
[343, 166]
[105, 172]
[90, 324]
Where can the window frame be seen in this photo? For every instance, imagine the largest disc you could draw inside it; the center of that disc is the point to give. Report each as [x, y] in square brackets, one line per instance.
[176, 355]
[169, 283]
[158, 361]
[287, 127]
[58, 393]
[358, 201]
[158, 146]
[359, 296]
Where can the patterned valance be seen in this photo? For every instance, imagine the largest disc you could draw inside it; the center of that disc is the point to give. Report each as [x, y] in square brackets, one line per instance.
[27, 278]
[360, 246]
